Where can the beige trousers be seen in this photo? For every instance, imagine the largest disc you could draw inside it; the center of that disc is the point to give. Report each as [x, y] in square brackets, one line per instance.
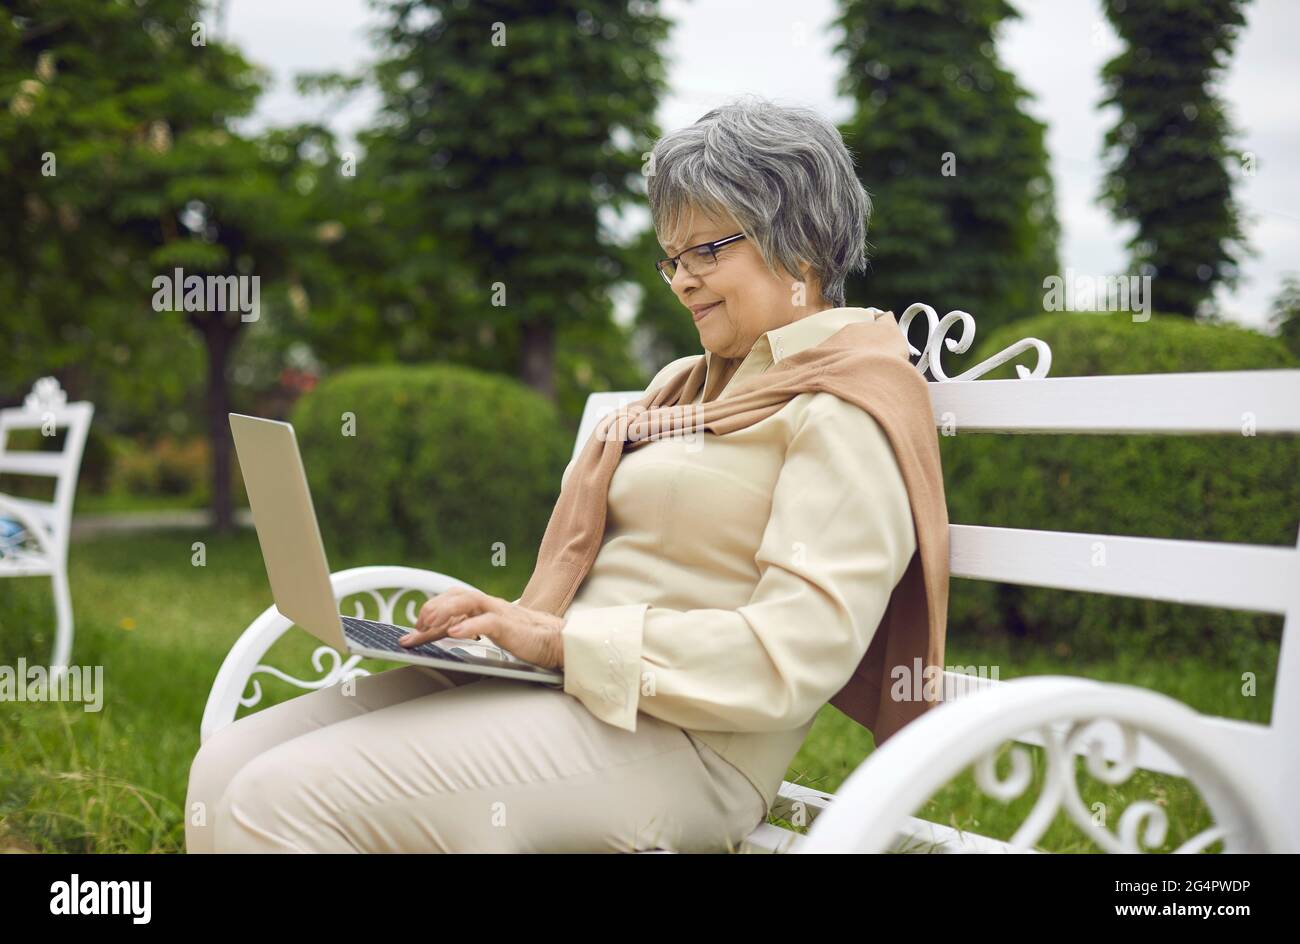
[416, 760]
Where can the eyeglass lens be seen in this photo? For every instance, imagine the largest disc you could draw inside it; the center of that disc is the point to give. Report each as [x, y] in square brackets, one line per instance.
[698, 261]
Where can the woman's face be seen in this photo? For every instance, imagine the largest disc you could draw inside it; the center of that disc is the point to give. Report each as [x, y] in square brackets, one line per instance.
[750, 298]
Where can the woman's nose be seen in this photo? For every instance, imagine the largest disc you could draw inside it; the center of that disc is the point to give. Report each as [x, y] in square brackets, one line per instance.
[687, 279]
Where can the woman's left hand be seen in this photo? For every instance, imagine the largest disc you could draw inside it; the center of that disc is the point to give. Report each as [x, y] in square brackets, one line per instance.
[465, 613]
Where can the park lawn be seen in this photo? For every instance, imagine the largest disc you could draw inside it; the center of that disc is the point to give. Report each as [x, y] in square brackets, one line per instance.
[114, 780]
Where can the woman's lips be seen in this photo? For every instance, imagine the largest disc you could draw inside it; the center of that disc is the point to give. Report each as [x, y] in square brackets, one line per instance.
[703, 312]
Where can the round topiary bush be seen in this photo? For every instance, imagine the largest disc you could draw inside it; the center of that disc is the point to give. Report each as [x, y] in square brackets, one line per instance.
[431, 461]
[1232, 487]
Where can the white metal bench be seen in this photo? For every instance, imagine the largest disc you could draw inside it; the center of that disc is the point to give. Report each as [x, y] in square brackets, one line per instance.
[1245, 772]
[43, 550]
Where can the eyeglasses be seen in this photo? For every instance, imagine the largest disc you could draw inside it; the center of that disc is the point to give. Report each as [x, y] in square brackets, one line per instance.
[699, 260]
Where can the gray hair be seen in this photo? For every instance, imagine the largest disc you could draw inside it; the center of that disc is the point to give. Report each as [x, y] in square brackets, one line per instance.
[754, 159]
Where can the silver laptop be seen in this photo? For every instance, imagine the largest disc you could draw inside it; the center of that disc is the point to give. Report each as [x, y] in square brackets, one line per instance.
[300, 576]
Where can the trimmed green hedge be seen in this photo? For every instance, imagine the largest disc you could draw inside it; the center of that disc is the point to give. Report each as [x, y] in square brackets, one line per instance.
[445, 460]
[1232, 488]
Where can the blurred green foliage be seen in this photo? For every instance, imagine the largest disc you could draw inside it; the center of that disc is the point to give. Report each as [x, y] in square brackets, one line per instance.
[1172, 168]
[964, 211]
[505, 133]
[1234, 488]
[432, 462]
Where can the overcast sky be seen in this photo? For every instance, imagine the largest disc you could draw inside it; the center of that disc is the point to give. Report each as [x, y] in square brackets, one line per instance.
[719, 49]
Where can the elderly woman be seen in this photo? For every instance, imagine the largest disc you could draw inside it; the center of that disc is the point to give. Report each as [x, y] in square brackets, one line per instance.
[738, 581]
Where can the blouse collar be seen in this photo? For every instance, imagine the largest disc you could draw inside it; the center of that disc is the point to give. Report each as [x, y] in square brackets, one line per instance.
[778, 343]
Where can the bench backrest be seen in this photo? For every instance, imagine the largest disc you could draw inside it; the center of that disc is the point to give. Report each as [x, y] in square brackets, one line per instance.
[46, 408]
[1232, 576]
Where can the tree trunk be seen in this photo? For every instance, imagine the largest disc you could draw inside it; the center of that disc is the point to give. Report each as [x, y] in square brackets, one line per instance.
[538, 369]
[219, 338]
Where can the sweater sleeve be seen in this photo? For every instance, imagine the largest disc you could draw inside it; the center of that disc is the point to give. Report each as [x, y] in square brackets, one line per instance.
[837, 541]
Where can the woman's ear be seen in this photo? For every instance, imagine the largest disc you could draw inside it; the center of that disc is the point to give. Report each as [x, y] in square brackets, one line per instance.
[812, 288]
[799, 276]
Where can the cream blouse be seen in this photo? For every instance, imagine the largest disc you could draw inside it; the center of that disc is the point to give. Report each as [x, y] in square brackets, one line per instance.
[741, 577]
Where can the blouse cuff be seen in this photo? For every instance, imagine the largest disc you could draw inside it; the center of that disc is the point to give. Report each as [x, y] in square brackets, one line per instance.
[602, 660]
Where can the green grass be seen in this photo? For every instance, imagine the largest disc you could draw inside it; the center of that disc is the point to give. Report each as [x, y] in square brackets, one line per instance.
[114, 780]
[835, 745]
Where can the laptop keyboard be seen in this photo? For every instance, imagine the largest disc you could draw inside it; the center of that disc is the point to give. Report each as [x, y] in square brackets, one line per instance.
[384, 636]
